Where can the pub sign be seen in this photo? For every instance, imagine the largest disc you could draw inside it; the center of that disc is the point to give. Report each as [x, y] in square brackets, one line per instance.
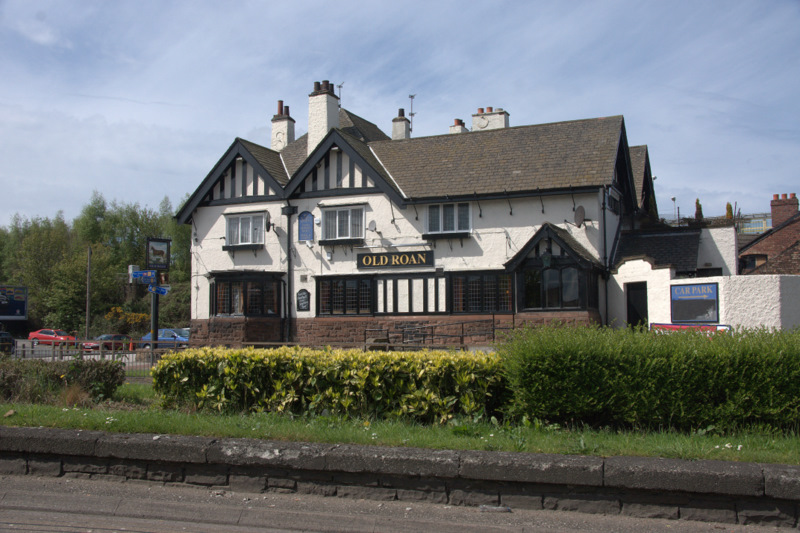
[396, 259]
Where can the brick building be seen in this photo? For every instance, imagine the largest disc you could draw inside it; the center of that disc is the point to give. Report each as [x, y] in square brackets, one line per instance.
[776, 251]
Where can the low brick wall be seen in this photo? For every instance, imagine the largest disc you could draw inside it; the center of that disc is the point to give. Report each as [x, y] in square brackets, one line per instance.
[714, 491]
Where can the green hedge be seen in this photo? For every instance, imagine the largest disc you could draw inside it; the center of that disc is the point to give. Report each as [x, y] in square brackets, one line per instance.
[37, 381]
[681, 380]
[429, 386]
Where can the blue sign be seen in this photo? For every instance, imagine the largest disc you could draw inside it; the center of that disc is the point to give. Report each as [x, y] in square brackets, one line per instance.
[161, 290]
[698, 302]
[144, 275]
[305, 226]
[705, 291]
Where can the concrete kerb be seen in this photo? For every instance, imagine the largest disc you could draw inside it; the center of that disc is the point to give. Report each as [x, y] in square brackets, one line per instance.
[705, 490]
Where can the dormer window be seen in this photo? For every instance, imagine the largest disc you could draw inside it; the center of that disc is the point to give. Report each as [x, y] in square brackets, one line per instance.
[449, 218]
[245, 229]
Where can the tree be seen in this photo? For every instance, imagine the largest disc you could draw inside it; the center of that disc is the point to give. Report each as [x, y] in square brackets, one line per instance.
[698, 210]
[728, 211]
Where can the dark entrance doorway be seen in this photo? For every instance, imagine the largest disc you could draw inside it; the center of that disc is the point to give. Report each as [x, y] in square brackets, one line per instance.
[637, 303]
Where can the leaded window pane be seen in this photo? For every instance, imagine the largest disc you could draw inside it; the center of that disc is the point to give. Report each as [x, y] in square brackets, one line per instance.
[356, 223]
[258, 230]
[570, 287]
[552, 289]
[343, 218]
[330, 224]
[255, 298]
[365, 297]
[233, 230]
[448, 217]
[325, 297]
[463, 217]
[533, 289]
[244, 230]
[434, 224]
[504, 292]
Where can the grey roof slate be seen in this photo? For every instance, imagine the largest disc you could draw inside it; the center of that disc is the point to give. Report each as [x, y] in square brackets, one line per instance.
[560, 155]
[294, 155]
[638, 168]
[674, 247]
[269, 159]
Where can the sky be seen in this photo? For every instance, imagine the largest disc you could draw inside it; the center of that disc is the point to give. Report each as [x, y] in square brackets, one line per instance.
[136, 100]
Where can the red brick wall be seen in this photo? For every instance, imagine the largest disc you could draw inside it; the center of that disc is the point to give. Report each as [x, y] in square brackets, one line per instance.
[783, 208]
[233, 330]
[777, 242]
[352, 330]
[445, 329]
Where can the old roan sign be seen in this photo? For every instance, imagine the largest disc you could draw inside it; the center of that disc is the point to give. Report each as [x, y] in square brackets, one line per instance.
[396, 259]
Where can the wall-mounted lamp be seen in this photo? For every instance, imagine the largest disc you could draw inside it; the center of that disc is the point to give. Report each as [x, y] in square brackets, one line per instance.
[310, 245]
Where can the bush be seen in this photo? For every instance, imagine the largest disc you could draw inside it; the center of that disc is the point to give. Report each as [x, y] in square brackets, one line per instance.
[428, 386]
[36, 381]
[682, 380]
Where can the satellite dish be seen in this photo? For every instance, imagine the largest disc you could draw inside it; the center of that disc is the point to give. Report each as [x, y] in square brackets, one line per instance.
[371, 226]
[580, 216]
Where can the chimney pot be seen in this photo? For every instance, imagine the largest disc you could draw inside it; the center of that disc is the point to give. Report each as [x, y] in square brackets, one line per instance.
[401, 112]
[480, 110]
[286, 110]
[783, 196]
[280, 107]
[775, 196]
[793, 196]
[489, 109]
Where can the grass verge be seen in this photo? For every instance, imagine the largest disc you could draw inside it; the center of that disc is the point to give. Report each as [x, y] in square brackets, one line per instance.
[134, 410]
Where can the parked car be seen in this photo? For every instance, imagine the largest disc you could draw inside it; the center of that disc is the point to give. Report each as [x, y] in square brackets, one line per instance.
[109, 341]
[7, 344]
[169, 338]
[51, 336]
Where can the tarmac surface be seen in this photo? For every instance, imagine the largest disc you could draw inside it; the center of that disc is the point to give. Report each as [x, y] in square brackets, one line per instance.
[47, 504]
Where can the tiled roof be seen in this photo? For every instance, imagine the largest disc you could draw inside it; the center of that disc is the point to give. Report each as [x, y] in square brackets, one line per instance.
[676, 248]
[638, 168]
[561, 155]
[269, 159]
[786, 262]
[294, 155]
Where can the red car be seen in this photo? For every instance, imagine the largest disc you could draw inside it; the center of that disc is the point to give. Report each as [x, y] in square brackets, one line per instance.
[50, 336]
[109, 341]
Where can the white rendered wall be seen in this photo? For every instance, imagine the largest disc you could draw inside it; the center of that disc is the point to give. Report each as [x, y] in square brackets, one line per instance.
[769, 301]
[208, 238]
[718, 249]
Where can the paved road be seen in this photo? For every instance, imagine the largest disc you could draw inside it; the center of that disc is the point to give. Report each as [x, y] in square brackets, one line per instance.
[42, 504]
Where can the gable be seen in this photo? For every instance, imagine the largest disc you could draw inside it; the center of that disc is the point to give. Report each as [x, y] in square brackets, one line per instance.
[341, 165]
[559, 241]
[247, 172]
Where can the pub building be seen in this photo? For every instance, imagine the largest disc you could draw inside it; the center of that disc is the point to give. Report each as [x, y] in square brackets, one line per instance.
[347, 233]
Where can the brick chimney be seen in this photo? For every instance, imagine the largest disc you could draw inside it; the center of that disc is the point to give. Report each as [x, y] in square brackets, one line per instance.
[401, 126]
[323, 113]
[458, 126]
[489, 119]
[282, 128]
[783, 208]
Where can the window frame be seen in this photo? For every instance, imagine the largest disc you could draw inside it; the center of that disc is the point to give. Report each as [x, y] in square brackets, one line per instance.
[443, 220]
[230, 296]
[254, 230]
[339, 236]
[335, 296]
[481, 293]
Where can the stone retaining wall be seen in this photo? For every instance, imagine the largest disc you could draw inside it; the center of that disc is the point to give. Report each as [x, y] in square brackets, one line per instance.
[715, 491]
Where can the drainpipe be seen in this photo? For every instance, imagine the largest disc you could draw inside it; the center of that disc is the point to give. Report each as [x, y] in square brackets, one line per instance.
[289, 210]
[605, 255]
